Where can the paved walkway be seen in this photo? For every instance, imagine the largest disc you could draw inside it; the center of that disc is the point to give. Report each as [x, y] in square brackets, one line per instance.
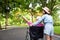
[17, 34]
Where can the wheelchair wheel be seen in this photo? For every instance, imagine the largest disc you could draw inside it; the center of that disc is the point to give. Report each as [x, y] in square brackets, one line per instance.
[27, 35]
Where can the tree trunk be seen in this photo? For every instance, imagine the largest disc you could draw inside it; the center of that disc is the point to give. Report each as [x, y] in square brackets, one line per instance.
[0, 27]
[32, 14]
[6, 21]
[32, 18]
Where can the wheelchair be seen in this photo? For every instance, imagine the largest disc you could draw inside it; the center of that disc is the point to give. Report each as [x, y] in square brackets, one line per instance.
[34, 33]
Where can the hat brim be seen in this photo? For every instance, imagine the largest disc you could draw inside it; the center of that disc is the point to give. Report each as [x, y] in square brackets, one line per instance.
[45, 10]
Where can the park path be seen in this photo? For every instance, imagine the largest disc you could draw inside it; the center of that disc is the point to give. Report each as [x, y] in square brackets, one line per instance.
[16, 34]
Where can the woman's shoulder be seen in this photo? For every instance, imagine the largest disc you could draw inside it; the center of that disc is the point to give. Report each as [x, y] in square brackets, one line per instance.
[47, 15]
[44, 15]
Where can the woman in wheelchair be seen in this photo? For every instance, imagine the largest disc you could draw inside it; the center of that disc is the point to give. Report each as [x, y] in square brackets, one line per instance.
[35, 32]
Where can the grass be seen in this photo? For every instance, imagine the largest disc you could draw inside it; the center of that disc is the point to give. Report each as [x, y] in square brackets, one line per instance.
[57, 29]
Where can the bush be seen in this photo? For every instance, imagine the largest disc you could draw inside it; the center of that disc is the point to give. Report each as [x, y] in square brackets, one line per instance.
[57, 24]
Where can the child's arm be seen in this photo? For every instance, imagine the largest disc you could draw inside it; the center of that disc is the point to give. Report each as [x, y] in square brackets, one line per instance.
[25, 19]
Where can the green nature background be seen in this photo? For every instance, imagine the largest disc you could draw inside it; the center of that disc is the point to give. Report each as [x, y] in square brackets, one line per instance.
[10, 11]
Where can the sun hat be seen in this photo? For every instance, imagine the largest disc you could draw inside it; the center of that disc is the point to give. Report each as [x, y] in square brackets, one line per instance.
[46, 9]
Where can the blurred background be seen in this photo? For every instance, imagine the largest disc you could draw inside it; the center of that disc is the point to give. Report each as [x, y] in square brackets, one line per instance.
[10, 11]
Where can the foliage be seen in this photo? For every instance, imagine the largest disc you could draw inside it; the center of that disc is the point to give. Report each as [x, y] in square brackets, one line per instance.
[18, 7]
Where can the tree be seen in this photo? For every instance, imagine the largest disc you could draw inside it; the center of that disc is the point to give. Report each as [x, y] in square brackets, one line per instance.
[24, 4]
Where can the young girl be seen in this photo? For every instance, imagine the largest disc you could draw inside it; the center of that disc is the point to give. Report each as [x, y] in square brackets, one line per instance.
[48, 23]
[35, 32]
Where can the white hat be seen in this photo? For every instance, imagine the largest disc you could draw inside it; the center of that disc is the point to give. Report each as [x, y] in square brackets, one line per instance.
[46, 10]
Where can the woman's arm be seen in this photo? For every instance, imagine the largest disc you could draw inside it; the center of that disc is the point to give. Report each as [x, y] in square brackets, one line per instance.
[28, 22]
[38, 21]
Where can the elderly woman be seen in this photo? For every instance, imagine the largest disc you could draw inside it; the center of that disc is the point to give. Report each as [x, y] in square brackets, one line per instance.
[48, 23]
[36, 32]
